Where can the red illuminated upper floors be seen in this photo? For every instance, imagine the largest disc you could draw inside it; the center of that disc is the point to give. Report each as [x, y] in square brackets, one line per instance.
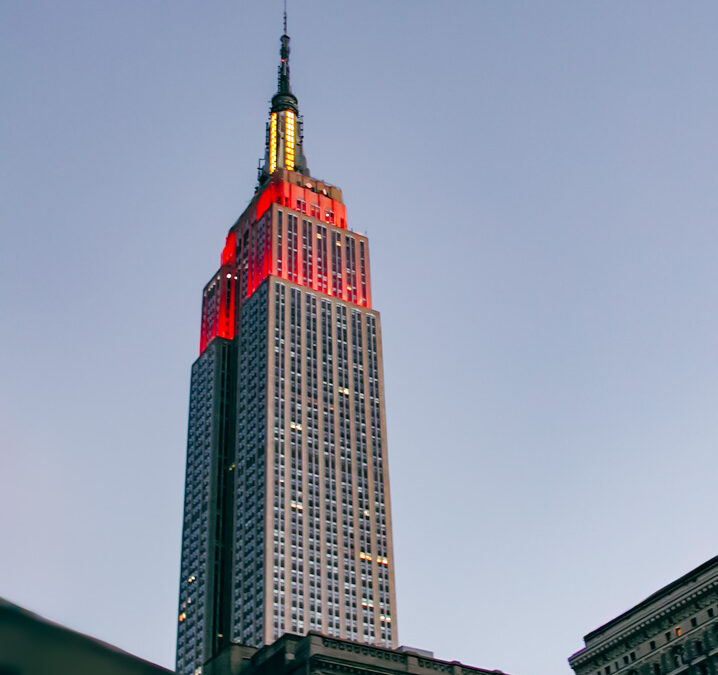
[294, 229]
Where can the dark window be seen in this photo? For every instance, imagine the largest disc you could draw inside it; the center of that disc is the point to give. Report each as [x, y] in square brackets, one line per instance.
[653, 644]
[694, 622]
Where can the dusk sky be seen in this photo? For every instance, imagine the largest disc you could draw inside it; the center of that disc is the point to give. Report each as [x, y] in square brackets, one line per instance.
[539, 184]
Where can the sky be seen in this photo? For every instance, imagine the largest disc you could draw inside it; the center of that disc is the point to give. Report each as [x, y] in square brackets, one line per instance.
[539, 184]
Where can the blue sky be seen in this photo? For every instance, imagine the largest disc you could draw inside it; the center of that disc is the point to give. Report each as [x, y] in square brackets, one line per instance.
[538, 182]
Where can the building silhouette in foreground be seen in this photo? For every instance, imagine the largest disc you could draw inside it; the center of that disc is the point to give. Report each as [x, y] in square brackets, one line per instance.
[32, 645]
[674, 631]
[287, 519]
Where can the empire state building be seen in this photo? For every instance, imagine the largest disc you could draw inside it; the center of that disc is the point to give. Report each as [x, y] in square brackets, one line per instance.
[287, 519]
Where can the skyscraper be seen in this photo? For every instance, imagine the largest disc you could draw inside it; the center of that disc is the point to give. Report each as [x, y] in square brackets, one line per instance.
[287, 519]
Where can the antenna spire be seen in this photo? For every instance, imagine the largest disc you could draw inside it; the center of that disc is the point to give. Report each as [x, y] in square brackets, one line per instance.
[284, 131]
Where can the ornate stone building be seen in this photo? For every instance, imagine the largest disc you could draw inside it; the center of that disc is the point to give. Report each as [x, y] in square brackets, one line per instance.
[316, 654]
[672, 632]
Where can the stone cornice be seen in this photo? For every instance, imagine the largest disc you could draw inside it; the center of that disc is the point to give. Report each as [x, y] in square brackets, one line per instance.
[395, 660]
[364, 650]
[585, 655]
[322, 662]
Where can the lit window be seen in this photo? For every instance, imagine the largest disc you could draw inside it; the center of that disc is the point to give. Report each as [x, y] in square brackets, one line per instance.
[273, 143]
[289, 139]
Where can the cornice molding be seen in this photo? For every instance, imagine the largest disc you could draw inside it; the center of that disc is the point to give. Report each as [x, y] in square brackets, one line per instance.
[661, 616]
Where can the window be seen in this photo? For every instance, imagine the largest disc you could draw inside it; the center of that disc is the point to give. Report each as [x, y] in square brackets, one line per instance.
[653, 644]
[694, 622]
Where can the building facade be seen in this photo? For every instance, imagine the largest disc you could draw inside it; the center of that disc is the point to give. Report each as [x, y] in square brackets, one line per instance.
[672, 632]
[315, 654]
[287, 518]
